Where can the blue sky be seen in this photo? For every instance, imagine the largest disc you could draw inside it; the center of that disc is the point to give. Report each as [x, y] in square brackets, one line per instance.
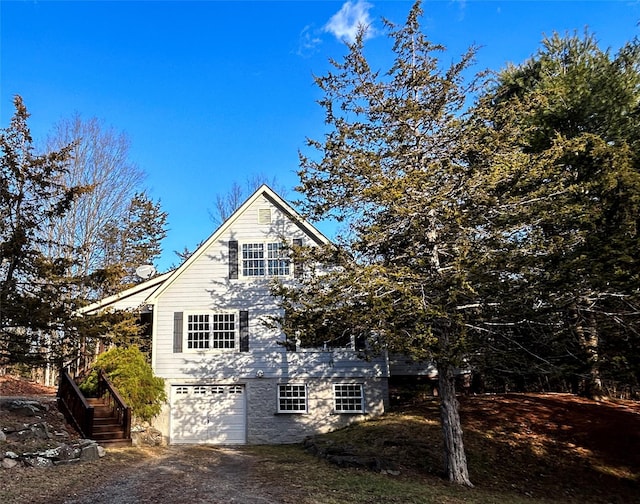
[212, 92]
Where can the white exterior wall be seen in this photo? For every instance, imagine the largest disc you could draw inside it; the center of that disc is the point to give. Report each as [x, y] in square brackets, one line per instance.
[204, 286]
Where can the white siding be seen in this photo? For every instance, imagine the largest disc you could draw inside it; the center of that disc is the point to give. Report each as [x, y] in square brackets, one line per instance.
[203, 285]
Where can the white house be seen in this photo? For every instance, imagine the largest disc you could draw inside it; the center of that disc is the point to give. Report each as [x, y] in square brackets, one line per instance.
[228, 378]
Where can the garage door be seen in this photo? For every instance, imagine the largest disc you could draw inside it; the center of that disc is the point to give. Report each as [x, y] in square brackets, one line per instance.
[210, 414]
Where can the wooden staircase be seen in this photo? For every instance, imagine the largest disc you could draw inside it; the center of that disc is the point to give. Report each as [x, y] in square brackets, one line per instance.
[105, 419]
[107, 427]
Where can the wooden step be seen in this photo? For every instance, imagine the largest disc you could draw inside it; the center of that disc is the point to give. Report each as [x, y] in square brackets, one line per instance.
[103, 413]
[107, 435]
[106, 428]
[116, 443]
[110, 427]
[93, 401]
[105, 420]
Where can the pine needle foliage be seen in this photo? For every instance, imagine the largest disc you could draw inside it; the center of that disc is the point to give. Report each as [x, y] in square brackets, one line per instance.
[558, 142]
[390, 168]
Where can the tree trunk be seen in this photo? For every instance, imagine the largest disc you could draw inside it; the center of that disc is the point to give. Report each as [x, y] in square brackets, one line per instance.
[586, 329]
[593, 383]
[455, 460]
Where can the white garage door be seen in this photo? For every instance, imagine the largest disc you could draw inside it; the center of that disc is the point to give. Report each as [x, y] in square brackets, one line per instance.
[211, 414]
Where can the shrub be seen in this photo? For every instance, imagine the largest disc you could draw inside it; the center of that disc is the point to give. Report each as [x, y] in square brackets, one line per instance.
[133, 377]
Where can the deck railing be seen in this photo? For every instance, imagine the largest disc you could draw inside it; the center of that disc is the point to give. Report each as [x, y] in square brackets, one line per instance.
[112, 398]
[81, 414]
[74, 406]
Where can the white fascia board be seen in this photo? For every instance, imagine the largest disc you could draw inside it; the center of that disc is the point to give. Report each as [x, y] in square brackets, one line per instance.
[104, 303]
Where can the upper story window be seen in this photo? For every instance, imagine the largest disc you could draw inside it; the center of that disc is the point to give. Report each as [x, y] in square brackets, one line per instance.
[265, 259]
[217, 331]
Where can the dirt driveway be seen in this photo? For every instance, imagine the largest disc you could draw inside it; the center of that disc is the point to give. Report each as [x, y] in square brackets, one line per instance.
[187, 475]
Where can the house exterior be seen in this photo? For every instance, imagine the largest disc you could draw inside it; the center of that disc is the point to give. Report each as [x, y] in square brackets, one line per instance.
[229, 380]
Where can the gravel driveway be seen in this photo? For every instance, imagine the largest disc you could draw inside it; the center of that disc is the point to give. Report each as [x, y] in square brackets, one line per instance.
[187, 475]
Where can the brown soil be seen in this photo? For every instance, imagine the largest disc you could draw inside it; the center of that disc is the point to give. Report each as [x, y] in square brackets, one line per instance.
[15, 386]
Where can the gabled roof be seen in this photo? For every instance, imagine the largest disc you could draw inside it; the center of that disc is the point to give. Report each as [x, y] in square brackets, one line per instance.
[262, 191]
[159, 284]
[150, 285]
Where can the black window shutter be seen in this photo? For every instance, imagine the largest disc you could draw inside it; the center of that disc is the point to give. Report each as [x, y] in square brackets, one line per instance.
[233, 259]
[297, 267]
[244, 331]
[177, 332]
[360, 342]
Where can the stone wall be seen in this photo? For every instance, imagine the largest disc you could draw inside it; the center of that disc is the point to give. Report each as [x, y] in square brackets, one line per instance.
[266, 426]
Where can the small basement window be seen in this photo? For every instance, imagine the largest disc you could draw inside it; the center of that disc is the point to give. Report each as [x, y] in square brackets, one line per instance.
[292, 398]
[348, 398]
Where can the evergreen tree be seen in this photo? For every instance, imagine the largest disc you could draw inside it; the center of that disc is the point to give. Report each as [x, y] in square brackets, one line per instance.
[391, 169]
[133, 377]
[35, 303]
[557, 141]
[131, 242]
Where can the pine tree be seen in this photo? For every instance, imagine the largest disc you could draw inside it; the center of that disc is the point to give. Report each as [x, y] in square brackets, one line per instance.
[35, 303]
[131, 242]
[558, 141]
[391, 169]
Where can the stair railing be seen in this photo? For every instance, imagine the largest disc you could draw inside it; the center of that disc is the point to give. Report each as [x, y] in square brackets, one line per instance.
[112, 398]
[74, 406]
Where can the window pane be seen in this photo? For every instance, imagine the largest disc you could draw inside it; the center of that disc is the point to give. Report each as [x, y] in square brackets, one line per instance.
[277, 260]
[198, 331]
[348, 398]
[223, 330]
[292, 398]
[253, 259]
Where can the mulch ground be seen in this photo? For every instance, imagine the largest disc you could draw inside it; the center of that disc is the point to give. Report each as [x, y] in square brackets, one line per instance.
[15, 386]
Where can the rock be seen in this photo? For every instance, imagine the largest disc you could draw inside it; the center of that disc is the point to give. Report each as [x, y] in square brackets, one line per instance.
[348, 456]
[89, 452]
[41, 431]
[101, 451]
[26, 408]
[61, 434]
[52, 453]
[8, 463]
[3, 437]
[146, 436]
[38, 462]
[67, 452]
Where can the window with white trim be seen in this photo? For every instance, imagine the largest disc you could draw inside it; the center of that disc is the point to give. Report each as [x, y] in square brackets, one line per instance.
[211, 331]
[292, 398]
[265, 259]
[348, 397]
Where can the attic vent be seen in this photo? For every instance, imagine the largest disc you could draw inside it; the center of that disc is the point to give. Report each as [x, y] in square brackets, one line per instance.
[264, 216]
